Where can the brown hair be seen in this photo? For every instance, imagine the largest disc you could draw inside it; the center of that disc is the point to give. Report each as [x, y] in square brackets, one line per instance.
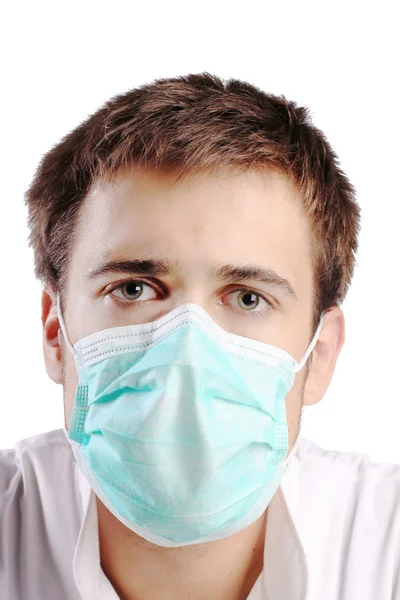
[190, 123]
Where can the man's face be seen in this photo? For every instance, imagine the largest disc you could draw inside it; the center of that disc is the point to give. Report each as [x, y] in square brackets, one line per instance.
[244, 219]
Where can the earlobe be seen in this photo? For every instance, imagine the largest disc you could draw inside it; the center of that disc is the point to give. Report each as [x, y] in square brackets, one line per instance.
[324, 356]
[51, 338]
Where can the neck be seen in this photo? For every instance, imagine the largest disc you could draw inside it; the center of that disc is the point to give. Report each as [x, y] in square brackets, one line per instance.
[139, 570]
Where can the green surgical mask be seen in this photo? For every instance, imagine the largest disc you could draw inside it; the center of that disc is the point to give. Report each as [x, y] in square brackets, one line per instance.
[180, 427]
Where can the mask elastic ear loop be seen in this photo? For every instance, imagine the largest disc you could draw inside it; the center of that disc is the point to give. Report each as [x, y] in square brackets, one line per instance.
[310, 348]
[62, 324]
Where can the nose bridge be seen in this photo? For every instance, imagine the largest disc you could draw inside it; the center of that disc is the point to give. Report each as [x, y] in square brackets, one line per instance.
[196, 286]
[196, 292]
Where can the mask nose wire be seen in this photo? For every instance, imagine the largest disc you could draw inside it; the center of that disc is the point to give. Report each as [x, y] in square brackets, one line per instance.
[310, 348]
[62, 324]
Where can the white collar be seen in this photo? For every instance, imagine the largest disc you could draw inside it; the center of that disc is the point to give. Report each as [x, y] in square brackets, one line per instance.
[285, 573]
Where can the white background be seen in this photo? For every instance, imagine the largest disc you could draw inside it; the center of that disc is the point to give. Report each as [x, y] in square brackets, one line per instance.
[62, 60]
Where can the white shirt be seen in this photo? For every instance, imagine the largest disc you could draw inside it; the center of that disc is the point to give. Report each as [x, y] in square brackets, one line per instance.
[333, 528]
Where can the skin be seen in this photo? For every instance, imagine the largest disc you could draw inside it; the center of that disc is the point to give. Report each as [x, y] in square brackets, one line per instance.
[229, 218]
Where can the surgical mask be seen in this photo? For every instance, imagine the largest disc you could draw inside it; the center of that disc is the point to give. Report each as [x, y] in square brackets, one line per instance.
[180, 427]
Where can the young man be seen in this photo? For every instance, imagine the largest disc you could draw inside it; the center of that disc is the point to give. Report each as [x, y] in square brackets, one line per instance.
[195, 239]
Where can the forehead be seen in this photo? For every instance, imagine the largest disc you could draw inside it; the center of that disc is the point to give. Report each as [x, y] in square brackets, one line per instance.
[250, 216]
[146, 195]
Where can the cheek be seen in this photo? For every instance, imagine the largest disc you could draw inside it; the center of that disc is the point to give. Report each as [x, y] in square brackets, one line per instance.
[293, 408]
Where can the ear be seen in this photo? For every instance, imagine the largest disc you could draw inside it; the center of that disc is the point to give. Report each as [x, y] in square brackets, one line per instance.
[325, 355]
[51, 341]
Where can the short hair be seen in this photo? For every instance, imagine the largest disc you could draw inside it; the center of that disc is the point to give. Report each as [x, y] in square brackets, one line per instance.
[191, 123]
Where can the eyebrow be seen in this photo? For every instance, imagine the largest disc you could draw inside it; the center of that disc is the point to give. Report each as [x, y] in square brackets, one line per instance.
[223, 272]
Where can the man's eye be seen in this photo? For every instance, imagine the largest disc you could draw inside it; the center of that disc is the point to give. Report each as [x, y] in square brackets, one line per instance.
[133, 290]
[248, 301]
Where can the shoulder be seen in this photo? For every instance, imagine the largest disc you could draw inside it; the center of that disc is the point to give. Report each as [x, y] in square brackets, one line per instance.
[349, 509]
[38, 479]
[31, 461]
[349, 479]
[35, 474]
[39, 508]
[356, 471]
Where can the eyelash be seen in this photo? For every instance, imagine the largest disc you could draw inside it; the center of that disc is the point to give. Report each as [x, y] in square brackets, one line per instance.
[128, 304]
